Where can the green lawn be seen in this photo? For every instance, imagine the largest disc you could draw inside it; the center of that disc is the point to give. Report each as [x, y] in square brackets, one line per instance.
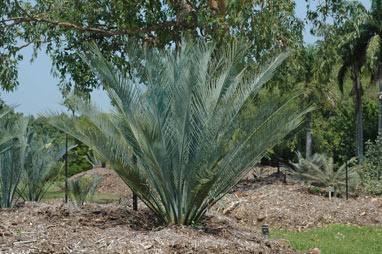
[335, 239]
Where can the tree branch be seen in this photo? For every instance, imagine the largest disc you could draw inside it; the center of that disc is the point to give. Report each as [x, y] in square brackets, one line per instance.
[147, 30]
[102, 31]
[3, 56]
[25, 45]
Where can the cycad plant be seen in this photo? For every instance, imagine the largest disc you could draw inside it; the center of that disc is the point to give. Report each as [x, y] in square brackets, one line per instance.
[320, 169]
[41, 166]
[83, 188]
[181, 124]
[14, 141]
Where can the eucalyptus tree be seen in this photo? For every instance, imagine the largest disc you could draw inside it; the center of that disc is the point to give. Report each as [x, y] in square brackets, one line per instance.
[61, 27]
[311, 90]
[181, 125]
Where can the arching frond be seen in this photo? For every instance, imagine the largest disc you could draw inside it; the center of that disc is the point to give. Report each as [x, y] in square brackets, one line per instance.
[14, 142]
[373, 51]
[183, 125]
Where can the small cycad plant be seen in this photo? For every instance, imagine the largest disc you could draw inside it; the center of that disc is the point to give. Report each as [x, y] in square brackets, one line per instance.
[182, 121]
[42, 165]
[83, 188]
[320, 169]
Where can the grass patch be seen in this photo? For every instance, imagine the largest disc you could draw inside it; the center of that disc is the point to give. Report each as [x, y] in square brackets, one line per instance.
[55, 192]
[104, 198]
[335, 239]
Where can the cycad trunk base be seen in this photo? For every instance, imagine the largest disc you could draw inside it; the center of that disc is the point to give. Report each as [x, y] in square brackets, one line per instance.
[182, 119]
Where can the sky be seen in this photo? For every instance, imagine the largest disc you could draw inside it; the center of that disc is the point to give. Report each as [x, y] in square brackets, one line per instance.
[38, 91]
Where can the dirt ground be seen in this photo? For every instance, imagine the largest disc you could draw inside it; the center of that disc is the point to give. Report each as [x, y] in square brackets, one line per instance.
[268, 200]
[112, 228]
[110, 184]
[232, 226]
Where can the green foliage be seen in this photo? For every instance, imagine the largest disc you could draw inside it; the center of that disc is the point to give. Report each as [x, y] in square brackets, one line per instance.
[83, 188]
[42, 128]
[346, 41]
[331, 134]
[77, 158]
[63, 26]
[332, 131]
[320, 169]
[374, 158]
[371, 168]
[322, 95]
[182, 125]
[370, 185]
[334, 239]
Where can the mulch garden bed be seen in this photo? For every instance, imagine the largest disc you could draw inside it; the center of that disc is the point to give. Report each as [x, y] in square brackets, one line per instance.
[232, 226]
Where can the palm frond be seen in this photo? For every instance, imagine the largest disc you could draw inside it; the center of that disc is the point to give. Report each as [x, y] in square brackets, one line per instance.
[15, 141]
[373, 51]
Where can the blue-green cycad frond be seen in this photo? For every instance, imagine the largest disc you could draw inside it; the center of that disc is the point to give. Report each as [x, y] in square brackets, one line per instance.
[183, 125]
[13, 145]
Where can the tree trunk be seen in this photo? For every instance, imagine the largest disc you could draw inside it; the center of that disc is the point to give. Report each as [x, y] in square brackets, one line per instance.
[358, 113]
[308, 136]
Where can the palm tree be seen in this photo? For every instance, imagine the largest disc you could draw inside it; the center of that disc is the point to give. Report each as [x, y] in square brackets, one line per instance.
[373, 28]
[344, 42]
[352, 41]
[181, 125]
[352, 56]
[363, 45]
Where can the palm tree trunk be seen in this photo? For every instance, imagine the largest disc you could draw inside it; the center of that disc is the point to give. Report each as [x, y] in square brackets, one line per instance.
[358, 113]
[308, 136]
